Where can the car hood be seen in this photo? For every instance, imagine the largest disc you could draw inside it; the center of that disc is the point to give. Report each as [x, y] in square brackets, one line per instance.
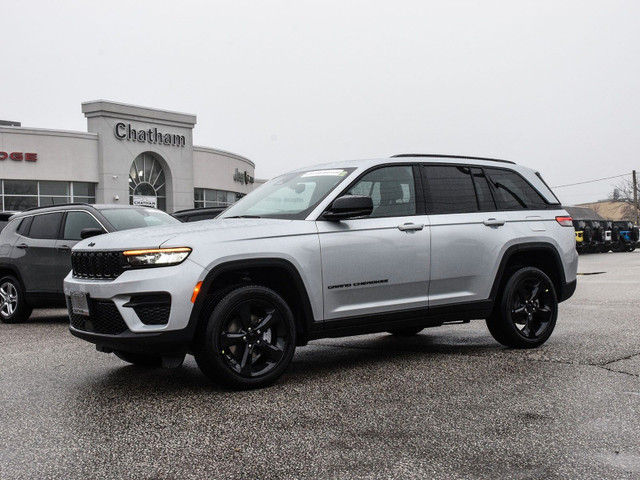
[196, 233]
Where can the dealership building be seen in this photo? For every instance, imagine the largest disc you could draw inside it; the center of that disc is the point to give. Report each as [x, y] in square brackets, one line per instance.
[129, 155]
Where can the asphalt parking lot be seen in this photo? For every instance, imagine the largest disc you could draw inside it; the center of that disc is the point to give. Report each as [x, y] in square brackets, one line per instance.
[449, 403]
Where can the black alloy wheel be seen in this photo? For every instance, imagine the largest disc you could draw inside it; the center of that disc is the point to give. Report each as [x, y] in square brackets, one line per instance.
[527, 311]
[249, 338]
[13, 307]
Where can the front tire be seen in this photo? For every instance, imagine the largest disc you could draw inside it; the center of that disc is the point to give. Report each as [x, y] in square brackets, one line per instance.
[249, 339]
[13, 307]
[527, 310]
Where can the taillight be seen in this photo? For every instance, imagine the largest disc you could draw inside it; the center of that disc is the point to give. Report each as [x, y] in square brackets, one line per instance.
[565, 221]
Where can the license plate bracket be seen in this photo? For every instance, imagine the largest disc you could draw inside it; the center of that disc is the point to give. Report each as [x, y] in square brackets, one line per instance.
[80, 303]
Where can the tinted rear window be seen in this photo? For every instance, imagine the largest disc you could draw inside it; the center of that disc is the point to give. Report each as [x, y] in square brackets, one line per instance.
[449, 189]
[513, 192]
[45, 226]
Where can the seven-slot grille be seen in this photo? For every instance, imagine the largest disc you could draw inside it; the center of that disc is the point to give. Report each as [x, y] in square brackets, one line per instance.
[99, 265]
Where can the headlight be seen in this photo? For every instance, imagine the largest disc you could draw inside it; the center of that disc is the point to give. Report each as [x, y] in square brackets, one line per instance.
[156, 256]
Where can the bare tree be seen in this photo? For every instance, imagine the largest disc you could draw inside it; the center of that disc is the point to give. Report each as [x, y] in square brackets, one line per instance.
[623, 192]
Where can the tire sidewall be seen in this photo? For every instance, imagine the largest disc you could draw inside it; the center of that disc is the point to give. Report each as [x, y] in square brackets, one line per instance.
[210, 358]
[510, 334]
[22, 311]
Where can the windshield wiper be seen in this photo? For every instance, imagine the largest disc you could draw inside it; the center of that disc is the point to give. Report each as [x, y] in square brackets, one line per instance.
[244, 216]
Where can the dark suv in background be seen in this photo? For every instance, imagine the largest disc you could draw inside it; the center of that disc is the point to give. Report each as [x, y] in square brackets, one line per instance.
[35, 250]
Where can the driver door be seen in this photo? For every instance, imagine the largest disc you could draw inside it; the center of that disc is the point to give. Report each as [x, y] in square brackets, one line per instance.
[381, 262]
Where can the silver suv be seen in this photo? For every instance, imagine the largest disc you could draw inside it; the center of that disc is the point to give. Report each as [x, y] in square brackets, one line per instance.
[339, 249]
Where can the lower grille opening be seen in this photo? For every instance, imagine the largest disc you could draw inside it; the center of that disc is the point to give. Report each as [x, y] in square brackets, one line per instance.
[151, 308]
[104, 318]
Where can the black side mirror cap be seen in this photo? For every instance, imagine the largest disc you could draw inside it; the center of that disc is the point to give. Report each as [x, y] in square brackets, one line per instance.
[90, 232]
[349, 206]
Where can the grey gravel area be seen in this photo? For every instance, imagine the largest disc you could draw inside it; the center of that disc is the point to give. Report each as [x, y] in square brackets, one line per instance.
[449, 403]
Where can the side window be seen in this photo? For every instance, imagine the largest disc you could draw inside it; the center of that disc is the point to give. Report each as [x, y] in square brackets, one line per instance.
[45, 226]
[23, 228]
[483, 191]
[392, 190]
[513, 192]
[76, 222]
[449, 189]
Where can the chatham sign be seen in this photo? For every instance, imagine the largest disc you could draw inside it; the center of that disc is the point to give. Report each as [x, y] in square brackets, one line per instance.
[124, 131]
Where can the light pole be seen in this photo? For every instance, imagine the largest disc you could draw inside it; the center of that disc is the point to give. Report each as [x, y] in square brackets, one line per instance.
[635, 195]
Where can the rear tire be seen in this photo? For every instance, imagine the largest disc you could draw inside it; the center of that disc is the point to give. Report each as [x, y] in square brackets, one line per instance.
[527, 310]
[13, 307]
[249, 339]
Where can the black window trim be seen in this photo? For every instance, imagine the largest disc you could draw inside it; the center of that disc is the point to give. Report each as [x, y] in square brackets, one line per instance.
[491, 192]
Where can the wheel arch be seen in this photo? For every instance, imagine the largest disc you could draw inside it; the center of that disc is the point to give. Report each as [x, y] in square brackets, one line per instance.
[275, 273]
[543, 256]
[6, 269]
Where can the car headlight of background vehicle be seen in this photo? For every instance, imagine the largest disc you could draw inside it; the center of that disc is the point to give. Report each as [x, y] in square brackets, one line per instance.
[156, 257]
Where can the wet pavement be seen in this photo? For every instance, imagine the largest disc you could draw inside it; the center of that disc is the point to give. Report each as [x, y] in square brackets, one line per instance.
[448, 403]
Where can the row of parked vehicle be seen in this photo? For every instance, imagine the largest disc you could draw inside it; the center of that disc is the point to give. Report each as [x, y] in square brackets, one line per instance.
[595, 234]
[600, 236]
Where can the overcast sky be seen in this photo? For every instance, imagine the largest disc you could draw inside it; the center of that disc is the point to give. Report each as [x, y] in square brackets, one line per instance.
[554, 85]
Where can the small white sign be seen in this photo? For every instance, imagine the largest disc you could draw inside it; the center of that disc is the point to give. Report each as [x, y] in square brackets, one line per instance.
[145, 201]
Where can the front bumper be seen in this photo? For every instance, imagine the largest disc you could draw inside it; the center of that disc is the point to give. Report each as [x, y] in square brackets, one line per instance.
[161, 343]
[116, 318]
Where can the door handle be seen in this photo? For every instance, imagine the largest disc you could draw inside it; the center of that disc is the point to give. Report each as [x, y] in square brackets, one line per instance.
[23, 246]
[410, 227]
[494, 222]
[64, 248]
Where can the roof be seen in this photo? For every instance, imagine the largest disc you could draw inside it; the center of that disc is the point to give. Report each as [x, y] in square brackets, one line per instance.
[583, 213]
[72, 206]
[611, 210]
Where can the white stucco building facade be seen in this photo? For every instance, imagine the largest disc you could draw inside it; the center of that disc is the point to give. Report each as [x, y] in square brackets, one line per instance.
[129, 155]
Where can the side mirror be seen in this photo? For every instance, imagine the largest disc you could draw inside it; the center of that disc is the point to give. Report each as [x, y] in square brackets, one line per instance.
[349, 206]
[90, 232]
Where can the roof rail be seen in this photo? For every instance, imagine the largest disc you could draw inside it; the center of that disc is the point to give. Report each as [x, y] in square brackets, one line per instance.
[56, 205]
[433, 155]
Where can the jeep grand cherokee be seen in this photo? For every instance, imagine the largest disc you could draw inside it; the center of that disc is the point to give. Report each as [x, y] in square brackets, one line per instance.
[339, 249]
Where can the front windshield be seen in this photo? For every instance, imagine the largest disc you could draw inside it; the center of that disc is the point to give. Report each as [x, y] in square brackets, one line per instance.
[290, 196]
[127, 218]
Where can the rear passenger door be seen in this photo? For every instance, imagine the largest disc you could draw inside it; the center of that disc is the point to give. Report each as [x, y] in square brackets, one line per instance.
[468, 235]
[37, 253]
[381, 262]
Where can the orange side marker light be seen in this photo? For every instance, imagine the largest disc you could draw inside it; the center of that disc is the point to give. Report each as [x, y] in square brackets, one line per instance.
[196, 291]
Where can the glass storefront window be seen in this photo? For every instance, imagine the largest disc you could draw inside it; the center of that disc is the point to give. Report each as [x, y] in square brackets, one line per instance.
[54, 188]
[44, 201]
[21, 187]
[83, 189]
[19, 203]
[147, 182]
[24, 194]
[207, 197]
